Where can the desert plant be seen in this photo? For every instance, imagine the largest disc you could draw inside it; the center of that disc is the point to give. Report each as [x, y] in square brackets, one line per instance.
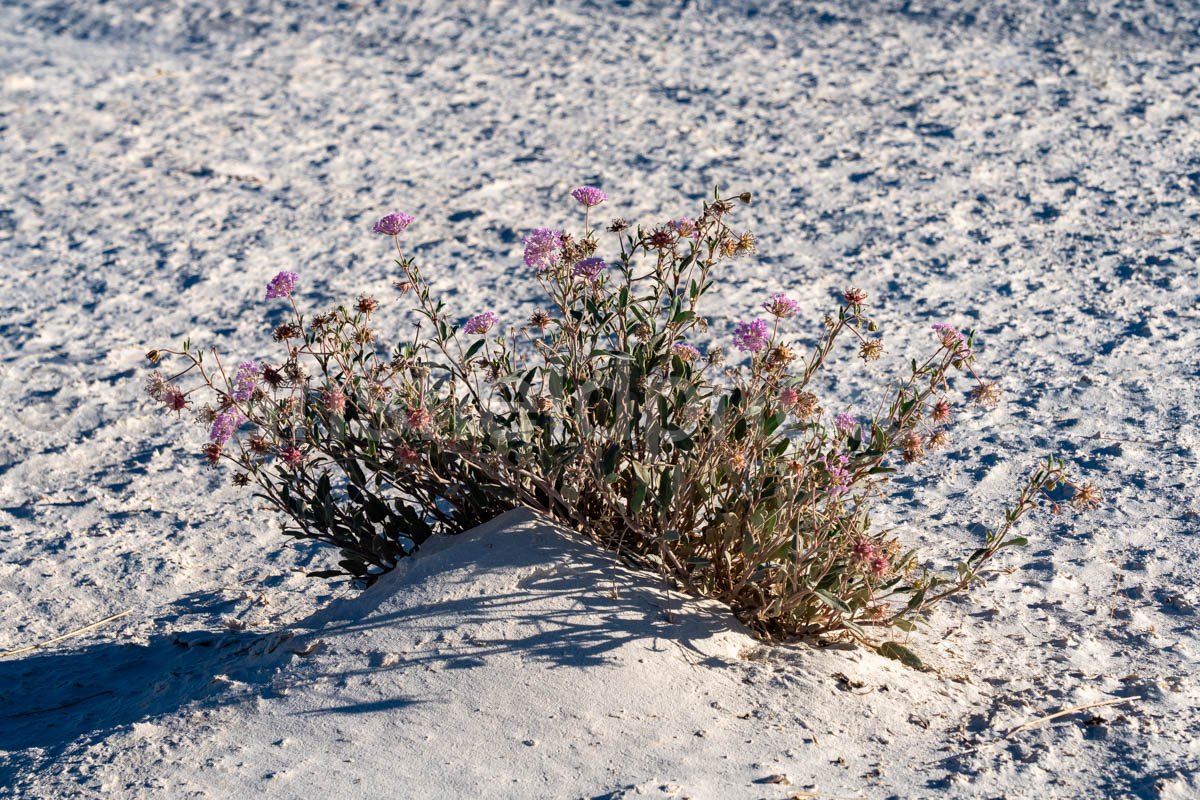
[602, 412]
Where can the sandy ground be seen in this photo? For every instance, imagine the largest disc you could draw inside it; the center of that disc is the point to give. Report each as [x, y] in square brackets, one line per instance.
[1029, 169]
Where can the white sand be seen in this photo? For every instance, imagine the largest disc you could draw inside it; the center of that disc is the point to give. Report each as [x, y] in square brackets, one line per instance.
[1031, 170]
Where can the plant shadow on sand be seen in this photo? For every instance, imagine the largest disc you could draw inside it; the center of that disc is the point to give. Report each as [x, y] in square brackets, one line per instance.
[528, 590]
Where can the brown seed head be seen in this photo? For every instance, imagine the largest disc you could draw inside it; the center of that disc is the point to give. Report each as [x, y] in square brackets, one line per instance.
[403, 286]
[938, 440]
[543, 403]
[540, 320]
[871, 350]
[618, 225]
[662, 239]
[747, 244]
[289, 330]
[367, 305]
[1086, 497]
[914, 449]
[241, 479]
[212, 453]
[780, 357]
[986, 394]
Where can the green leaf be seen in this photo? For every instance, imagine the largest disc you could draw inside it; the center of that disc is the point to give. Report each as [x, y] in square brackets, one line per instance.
[637, 498]
[1016, 541]
[831, 601]
[899, 652]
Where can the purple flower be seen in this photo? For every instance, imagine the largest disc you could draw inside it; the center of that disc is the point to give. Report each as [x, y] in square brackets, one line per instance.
[589, 196]
[839, 476]
[225, 424]
[480, 323]
[589, 268]
[750, 337]
[845, 422]
[782, 306]
[952, 339]
[246, 381]
[282, 285]
[393, 224]
[542, 249]
[685, 351]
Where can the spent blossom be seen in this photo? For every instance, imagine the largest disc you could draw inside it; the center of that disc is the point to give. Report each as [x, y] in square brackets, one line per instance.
[480, 323]
[686, 227]
[750, 337]
[245, 381]
[589, 196]
[542, 249]
[782, 306]
[589, 268]
[282, 285]
[393, 224]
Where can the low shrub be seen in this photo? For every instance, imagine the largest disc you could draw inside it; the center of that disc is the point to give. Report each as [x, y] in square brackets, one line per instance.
[728, 474]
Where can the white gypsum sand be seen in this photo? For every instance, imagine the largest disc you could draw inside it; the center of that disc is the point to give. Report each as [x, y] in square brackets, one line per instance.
[1026, 169]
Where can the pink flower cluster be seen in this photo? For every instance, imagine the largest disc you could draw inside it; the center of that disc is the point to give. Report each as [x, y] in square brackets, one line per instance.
[480, 323]
[845, 422]
[589, 268]
[282, 285]
[839, 475]
[542, 249]
[393, 224]
[589, 196]
[750, 337]
[782, 306]
[225, 424]
[246, 381]
[866, 553]
[685, 351]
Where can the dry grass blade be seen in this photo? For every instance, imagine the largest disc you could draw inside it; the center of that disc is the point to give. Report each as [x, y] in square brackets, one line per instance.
[68, 635]
[1033, 723]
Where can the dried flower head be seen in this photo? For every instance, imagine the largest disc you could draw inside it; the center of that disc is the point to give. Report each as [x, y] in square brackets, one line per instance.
[403, 285]
[914, 449]
[780, 356]
[282, 285]
[393, 224]
[662, 239]
[589, 196]
[715, 357]
[542, 249]
[986, 394]
[258, 444]
[685, 228]
[156, 385]
[174, 399]
[750, 337]
[543, 403]
[871, 350]
[937, 440]
[367, 305]
[746, 244]
[272, 377]
[241, 479]
[941, 411]
[539, 320]
[288, 330]
[1086, 497]
[212, 453]
[480, 323]
[291, 456]
[782, 306]
[618, 225]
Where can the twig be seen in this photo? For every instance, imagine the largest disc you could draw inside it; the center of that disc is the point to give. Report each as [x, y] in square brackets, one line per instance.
[75, 632]
[1033, 723]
